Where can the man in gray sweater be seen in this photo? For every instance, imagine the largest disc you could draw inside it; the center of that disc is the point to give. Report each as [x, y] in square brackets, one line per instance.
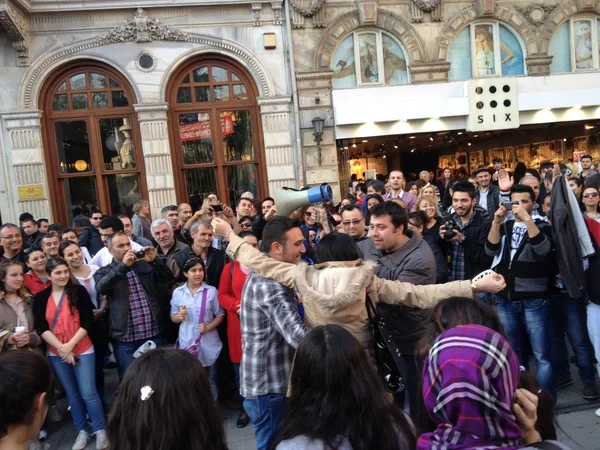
[402, 256]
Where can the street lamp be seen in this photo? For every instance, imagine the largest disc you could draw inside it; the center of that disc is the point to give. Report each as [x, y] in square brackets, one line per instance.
[317, 123]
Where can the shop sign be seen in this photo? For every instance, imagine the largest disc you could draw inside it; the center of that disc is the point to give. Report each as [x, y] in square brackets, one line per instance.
[201, 130]
[493, 104]
[31, 192]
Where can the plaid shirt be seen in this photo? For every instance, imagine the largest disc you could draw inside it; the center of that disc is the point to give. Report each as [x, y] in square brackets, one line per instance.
[458, 271]
[141, 322]
[271, 331]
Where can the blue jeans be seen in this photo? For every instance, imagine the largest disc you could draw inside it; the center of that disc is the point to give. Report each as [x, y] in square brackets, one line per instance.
[211, 371]
[80, 386]
[593, 326]
[124, 352]
[265, 412]
[569, 316]
[534, 316]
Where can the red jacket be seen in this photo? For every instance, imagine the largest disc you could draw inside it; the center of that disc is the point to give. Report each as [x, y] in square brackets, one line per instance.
[34, 284]
[230, 296]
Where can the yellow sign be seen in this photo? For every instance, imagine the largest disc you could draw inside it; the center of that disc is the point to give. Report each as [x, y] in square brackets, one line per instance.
[31, 192]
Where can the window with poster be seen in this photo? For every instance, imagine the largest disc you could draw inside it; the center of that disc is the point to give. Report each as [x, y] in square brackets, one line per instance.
[574, 46]
[369, 58]
[215, 132]
[91, 142]
[486, 49]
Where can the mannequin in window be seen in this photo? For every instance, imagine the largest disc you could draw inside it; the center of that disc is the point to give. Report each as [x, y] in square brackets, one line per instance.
[484, 52]
[583, 47]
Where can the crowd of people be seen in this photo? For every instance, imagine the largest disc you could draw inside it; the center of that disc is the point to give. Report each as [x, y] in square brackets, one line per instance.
[270, 314]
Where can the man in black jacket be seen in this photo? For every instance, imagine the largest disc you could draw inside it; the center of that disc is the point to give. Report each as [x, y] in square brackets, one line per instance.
[131, 286]
[90, 238]
[488, 194]
[468, 236]
[522, 247]
[201, 247]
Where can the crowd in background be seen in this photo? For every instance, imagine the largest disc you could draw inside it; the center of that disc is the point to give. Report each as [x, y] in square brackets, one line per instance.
[242, 293]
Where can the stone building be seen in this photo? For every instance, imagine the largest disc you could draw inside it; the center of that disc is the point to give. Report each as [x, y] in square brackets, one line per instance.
[397, 83]
[106, 102]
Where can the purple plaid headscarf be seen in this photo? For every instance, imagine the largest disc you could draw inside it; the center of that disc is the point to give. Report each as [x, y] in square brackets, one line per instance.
[469, 380]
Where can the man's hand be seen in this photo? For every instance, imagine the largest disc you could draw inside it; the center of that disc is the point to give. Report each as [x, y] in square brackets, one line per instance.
[525, 409]
[98, 313]
[500, 214]
[149, 254]
[505, 181]
[272, 212]
[492, 283]
[202, 328]
[228, 212]
[458, 236]
[129, 259]
[520, 213]
[221, 228]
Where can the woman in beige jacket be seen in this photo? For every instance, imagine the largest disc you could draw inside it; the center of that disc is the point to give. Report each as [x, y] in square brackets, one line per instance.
[335, 292]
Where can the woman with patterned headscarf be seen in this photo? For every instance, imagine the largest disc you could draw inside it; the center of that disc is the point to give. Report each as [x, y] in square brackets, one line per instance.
[470, 380]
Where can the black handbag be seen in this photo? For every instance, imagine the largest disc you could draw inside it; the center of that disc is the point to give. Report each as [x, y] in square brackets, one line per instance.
[390, 364]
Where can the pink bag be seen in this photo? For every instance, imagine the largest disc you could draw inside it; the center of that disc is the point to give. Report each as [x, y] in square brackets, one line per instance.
[194, 348]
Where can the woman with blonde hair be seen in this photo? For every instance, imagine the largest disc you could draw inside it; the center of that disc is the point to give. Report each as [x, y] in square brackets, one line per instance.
[141, 219]
[429, 205]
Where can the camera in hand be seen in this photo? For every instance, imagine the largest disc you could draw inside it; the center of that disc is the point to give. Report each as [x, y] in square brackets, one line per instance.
[140, 254]
[509, 205]
[217, 208]
[450, 230]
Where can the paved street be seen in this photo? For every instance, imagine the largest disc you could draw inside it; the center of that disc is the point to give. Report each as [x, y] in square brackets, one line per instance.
[579, 427]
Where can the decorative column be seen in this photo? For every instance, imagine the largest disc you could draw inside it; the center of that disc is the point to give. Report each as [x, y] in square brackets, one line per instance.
[157, 156]
[23, 166]
[320, 161]
[281, 159]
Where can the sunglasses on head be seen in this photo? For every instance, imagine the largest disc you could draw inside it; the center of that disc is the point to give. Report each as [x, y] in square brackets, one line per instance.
[591, 194]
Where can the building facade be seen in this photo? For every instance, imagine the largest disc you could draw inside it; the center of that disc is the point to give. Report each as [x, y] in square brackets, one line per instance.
[399, 75]
[106, 102]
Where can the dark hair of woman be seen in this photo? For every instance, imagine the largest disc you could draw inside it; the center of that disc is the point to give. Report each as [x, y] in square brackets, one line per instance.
[520, 171]
[31, 252]
[337, 247]
[192, 262]
[456, 311]
[64, 245]
[336, 394]
[70, 288]
[181, 393]
[24, 376]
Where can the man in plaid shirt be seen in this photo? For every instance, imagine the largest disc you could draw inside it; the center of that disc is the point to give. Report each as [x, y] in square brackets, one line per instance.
[131, 286]
[271, 331]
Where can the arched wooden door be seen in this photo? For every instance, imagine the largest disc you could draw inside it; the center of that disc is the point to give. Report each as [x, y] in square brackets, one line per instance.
[92, 143]
[216, 138]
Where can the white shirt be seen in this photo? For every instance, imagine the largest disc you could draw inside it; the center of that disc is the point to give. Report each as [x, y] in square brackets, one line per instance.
[104, 258]
[210, 344]
[483, 198]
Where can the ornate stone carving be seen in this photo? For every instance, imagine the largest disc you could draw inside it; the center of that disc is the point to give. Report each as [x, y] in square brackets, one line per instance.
[16, 27]
[257, 11]
[277, 19]
[367, 13]
[485, 7]
[536, 14]
[426, 5]
[313, 7]
[142, 28]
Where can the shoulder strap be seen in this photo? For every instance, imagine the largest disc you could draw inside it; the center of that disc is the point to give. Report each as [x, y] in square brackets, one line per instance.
[56, 314]
[203, 306]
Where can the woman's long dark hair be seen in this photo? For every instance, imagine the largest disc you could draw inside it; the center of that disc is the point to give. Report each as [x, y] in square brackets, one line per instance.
[70, 288]
[337, 247]
[336, 394]
[180, 413]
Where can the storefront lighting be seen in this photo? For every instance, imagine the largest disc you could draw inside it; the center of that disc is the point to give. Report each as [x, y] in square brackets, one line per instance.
[364, 141]
[385, 156]
[577, 107]
[81, 165]
[547, 109]
[395, 146]
[317, 123]
[412, 137]
[469, 144]
[565, 139]
[460, 133]
[435, 118]
[353, 145]
[589, 127]
[430, 138]
[413, 150]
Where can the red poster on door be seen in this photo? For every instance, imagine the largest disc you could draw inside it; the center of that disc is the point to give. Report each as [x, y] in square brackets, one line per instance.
[201, 130]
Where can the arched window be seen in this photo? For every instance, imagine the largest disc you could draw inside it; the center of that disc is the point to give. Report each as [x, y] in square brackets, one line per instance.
[369, 57]
[574, 46]
[91, 141]
[486, 50]
[216, 133]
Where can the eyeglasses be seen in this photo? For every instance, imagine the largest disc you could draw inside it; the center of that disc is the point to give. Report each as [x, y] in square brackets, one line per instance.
[413, 224]
[591, 194]
[353, 222]
[246, 225]
[96, 218]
